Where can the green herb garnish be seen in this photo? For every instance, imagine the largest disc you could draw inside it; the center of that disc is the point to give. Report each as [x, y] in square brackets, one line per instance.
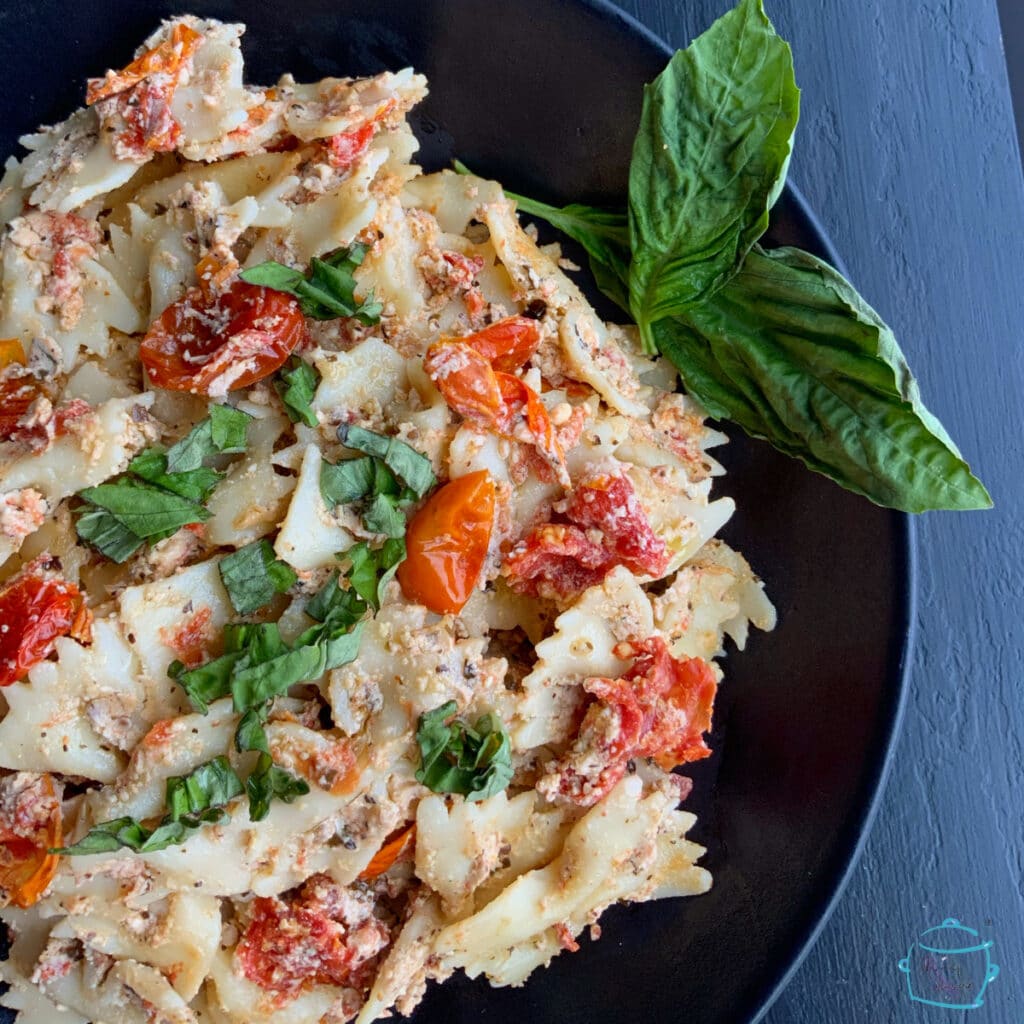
[386, 479]
[476, 762]
[193, 800]
[252, 575]
[327, 292]
[161, 491]
[297, 384]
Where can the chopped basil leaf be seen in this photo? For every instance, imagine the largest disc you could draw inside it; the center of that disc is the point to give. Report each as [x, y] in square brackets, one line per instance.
[195, 484]
[143, 509]
[193, 800]
[373, 568]
[384, 516]
[255, 682]
[253, 575]
[250, 734]
[223, 432]
[208, 682]
[99, 528]
[212, 784]
[348, 481]
[174, 833]
[475, 762]
[296, 384]
[269, 782]
[334, 606]
[327, 292]
[409, 465]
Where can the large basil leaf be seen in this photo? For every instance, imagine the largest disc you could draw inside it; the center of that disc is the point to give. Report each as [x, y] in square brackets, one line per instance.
[709, 160]
[790, 352]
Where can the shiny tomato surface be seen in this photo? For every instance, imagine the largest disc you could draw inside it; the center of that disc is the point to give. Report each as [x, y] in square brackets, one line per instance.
[34, 611]
[213, 345]
[447, 542]
[507, 344]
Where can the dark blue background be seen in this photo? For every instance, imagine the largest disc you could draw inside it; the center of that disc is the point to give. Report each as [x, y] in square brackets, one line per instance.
[908, 152]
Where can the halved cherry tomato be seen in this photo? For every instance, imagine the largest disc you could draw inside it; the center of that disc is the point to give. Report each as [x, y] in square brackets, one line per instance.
[166, 58]
[507, 344]
[447, 542]
[493, 400]
[30, 827]
[393, 848]
[34, 611]
[467, 381]
[213, 346]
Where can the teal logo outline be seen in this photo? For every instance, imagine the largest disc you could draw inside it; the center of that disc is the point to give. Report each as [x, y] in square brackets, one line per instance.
[935, 962]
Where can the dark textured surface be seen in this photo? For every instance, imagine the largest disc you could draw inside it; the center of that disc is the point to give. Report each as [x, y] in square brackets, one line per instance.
[1011, 14]
[907, 151]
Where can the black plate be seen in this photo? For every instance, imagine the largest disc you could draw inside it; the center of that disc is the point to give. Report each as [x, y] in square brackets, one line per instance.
[545, 95]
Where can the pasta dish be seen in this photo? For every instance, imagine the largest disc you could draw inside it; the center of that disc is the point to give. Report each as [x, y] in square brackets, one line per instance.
[360, 588]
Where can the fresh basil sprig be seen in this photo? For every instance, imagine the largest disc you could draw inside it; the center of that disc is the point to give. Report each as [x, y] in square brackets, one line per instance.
[328, 292]
[192, 801]
[777, 341]
[456, 758]
[252, 575]
[161, 490]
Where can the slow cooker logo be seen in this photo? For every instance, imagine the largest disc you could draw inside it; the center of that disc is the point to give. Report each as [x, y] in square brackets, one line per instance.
[949, 965]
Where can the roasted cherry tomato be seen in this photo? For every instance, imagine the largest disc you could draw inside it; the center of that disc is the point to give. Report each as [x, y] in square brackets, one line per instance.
[507, 344]
[607, 527]
[447, 542]
[211, 346]
[660, 708]
[30, 825]
[34, 611]
[468, 383]
[493, 400]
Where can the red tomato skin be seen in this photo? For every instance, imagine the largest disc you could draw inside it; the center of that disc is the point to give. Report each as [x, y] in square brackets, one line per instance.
[506, 344]
[197, 342]
[34, 611]
[447, 542]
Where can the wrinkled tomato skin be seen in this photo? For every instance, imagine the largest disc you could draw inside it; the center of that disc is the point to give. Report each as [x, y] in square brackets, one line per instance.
[507, 344]
[447, 542]
[468, 383]
[34, 611]
[210, 346]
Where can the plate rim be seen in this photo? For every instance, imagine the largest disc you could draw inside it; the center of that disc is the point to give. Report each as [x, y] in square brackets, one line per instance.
[850, 846]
